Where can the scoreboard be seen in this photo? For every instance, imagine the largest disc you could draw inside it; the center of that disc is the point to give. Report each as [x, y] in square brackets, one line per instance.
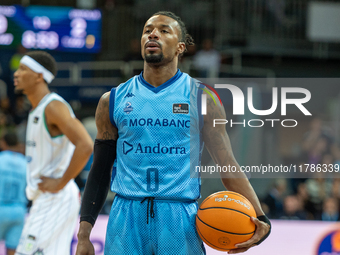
[50, 28]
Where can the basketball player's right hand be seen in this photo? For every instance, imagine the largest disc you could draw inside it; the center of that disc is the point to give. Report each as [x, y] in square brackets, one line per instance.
[85, 247]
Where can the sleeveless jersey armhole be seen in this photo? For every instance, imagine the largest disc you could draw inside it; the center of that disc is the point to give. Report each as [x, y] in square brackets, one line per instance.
[112, 106]
[45, 122]
[199, 106]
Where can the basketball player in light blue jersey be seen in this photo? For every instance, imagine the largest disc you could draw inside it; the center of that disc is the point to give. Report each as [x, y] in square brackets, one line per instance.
[13, 200]
[150, 128]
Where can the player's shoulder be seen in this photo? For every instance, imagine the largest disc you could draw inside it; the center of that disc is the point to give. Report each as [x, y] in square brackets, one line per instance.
[127, 83]
[11, 156]
[192, 81]
[207, 88]
[56, 101]
[5, 154]
[55, 97]
[124, 88]
[105, 98]
[57, 106]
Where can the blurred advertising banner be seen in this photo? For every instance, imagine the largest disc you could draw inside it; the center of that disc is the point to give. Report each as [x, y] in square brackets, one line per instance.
[287, 237]
[297, 238]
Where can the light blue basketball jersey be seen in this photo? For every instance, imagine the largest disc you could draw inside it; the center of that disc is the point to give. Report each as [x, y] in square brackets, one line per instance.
[13, 178]
[159, 138]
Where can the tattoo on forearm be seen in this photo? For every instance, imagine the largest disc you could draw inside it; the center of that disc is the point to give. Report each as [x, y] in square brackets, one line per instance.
[109, 136]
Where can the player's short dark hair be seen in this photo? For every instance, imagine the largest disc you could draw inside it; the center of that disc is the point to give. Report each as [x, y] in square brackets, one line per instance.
[185, 37]
[45, 59]
[11, 139]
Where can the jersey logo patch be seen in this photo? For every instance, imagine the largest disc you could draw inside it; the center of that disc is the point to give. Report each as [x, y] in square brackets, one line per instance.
[129, 95]
[31, 143]
[127, 147]
[30, 243]
[35, 121]
[180, 108]
[128, 108]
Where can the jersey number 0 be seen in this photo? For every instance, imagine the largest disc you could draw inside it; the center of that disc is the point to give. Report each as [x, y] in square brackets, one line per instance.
[152, 179]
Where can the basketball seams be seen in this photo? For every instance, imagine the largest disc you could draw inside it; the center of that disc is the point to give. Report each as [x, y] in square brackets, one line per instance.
[201, 209]
[206, 241]
[236, 216]
[223, 230]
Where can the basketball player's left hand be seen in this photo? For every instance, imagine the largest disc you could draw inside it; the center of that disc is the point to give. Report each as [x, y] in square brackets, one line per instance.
[262, 229]
[52, 185]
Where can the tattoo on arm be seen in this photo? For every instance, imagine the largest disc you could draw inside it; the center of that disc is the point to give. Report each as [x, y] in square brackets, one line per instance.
[106, 131]
[108, 136]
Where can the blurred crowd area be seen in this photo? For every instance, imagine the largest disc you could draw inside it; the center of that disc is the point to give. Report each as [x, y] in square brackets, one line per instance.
[314, 198]
[266, 35]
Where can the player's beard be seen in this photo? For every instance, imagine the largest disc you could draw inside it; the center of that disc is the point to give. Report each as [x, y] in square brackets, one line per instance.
[18, 91]
[154, 58]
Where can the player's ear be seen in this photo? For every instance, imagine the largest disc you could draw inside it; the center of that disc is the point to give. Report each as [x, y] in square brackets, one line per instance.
[40, 78]
[180, 48]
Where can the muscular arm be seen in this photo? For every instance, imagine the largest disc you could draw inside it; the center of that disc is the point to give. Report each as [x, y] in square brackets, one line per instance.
[106, 130]
[98, 182]
[59, 119]
[218, 144]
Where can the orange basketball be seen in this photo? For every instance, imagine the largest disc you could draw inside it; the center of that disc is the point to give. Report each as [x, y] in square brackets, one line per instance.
[223, 220]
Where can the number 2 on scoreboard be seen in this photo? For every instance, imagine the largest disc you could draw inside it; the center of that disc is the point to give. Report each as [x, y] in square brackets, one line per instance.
[152, 179]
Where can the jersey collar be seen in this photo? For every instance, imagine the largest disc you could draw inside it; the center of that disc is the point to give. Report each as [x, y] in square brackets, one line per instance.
[161, 87]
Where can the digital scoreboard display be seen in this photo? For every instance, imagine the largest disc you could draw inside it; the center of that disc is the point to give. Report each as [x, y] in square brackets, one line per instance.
[50, 28]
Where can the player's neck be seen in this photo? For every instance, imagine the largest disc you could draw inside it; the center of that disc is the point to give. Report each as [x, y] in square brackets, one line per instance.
[38, 94]
[11, 148]
[157, 75]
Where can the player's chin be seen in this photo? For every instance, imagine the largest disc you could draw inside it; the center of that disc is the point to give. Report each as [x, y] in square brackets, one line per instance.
[18, 91]
[154, 58]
